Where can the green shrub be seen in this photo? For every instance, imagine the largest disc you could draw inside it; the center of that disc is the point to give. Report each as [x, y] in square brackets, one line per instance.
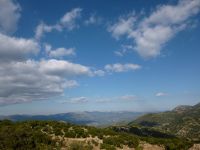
[107, 147]
[80, 146]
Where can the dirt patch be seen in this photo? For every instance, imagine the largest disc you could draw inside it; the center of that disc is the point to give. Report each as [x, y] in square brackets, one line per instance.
[125, 148]
[195, 147]
[147, 146]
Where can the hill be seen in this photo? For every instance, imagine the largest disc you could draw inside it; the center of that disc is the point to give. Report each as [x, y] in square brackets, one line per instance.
[94, 118]
[182, 121]
[45, 135]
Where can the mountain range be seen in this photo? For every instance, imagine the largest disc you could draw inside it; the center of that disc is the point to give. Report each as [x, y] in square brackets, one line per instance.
[94, 118]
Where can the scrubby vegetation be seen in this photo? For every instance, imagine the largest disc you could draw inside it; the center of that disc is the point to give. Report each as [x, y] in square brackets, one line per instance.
[23, 136]
[156, 137]
[183, 121]
[56, 135]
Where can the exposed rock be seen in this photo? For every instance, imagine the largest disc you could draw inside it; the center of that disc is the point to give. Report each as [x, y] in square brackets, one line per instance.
[182, 108]
[147, 146]
[195, 147]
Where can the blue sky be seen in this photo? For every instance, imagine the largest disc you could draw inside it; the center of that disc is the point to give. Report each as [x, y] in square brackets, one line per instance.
[89, 55]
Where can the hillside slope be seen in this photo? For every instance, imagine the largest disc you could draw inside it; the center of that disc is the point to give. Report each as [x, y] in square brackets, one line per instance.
[45, 135]
[183, 121]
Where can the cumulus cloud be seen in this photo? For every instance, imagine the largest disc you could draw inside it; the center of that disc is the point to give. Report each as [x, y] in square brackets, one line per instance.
[70, 84]
[59, 52]
[68, 21]
[159, 94]
[123, 26]
[43, 28]
[9, 15]
[171, 15]
[16, 49]
[121, 67]
[151, 33]
[37, 80]
[149, 41]
[99, 72]
[63, 68]
[23, 79]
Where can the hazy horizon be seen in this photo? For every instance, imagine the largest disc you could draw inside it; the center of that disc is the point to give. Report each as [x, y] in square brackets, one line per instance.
[74, 56]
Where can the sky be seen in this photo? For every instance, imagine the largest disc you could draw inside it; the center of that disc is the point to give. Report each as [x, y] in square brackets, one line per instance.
[95, 55]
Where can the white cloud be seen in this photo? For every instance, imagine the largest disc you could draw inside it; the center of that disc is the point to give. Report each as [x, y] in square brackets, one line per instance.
[70, 84]
[122, 27]
[117, 99]
[172, 15]
[93, 19]
[16, 49]
[9, 15]
[118, 53]
[128, 97]
[124, 49]
[59, 52]
[159, 94]
[149, 40]
[63, 68]
[151, 33]
[42, 28]
[121, 67]
[99, 72]
[104, 100]
[76, 100]
[37, 80]
[24, 80]
[68, 21]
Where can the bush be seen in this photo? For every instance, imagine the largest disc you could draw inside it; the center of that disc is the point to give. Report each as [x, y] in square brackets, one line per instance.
[70, 134]
[22, 136]
[80, 146]
[95, 143]
[107, 147]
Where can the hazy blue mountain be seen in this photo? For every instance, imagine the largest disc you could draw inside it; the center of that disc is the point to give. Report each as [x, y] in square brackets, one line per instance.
[94, 118]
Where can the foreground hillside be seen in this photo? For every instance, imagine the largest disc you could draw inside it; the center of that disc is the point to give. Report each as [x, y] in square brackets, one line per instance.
[59, 135]
[183, 121]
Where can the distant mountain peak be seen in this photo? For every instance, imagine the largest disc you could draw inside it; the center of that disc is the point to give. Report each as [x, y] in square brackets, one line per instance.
[182, 108]
[197, 105]
[183, 121]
